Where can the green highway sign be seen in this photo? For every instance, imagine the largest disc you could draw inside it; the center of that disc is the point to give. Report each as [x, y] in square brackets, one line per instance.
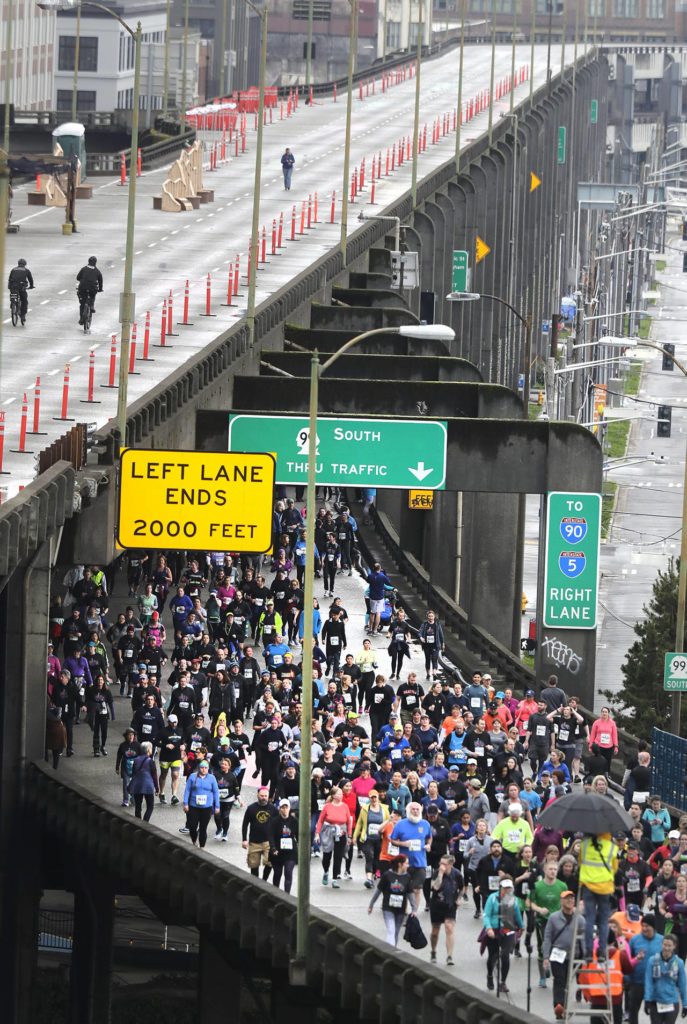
[594, 111]
[571, 562]
[357, 452]
[460, 271]
[675, 672]
[561, 144]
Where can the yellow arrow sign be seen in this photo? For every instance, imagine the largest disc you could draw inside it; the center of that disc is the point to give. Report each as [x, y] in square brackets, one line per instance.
[535, 182]
[482, 250]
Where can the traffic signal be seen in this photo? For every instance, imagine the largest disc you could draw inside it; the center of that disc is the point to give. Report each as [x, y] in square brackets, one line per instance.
[668, 363]
[663, 427]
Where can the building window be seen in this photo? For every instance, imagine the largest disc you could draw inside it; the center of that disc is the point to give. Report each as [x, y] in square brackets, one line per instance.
[85, 99]
[479, 5]
[656, 9]
[625, 8]
[393, 35]
[88, 53]
[597, 8]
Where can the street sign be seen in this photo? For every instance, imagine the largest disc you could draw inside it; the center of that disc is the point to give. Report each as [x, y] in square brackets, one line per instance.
[594, 111]
[535, 182]
[198, 500]
[675, 671]
[571, 563]
[545, 326]
[481, 249]
[421, 499]
[353, 452]
[561, 144]
[460, 271]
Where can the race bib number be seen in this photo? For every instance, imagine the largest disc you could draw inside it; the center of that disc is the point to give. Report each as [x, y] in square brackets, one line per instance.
[429, 637]
[475, 702]
[513, 836]
[563, 735]
[665, 1007]
[128, 653]
[479, 750]
[183, 704]
[395, 754]
[277, 659]
[633, 885]
[415, 845]
[201, 799]
[333, 641]
[393, 850]
[272, 747]
[146, 729]
[558, 955]
[395, 900]
[493, 883]
[103, 709]
[379, 697]
[373, 829]
[605, 741]
[286, 843]
[462, 843]
[223, 794]
[411, 698]
[320, 804]
[363, 801]
[540, 730]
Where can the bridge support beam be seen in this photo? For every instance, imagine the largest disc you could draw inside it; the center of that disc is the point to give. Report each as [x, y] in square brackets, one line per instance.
[91, 966]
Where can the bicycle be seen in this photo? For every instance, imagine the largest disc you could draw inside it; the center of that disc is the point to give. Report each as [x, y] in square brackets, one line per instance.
[85, 312]
[15, 307]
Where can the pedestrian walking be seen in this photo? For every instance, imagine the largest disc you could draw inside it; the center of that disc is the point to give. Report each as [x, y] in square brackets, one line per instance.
[201, 800]
[287, 162]
[144, 781]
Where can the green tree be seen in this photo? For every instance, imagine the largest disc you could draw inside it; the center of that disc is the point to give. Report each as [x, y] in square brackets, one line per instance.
[642, 703]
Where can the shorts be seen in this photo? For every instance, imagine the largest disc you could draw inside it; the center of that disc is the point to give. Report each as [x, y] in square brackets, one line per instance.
[376, 607]
[258, 852]
[578, 748]
[440, 912]
[174, 765]
[417, 877]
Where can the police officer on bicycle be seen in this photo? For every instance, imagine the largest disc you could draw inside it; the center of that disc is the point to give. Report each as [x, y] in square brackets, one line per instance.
[19, 280]
[90, 281]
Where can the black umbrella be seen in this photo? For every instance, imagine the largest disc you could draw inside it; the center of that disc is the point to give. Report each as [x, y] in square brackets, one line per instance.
[586, 812]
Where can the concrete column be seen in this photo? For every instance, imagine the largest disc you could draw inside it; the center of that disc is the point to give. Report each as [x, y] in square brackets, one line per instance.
[91, 965]
[218, 979]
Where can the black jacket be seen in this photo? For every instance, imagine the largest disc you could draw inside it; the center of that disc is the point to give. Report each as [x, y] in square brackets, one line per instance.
[90, 278]
[20, 278]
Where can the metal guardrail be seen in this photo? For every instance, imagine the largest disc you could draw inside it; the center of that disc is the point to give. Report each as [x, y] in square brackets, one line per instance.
[34, 514]
[55, 930]
[669, 768]
[345, 967]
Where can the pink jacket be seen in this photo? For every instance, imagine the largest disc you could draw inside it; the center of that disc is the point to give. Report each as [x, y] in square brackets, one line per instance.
[604, 733]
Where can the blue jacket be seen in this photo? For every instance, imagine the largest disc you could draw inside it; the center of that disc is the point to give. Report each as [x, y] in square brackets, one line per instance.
[377, 580]
[490, 917]
[669, 981]
[316, 624]
[202, 792]
[649, 947]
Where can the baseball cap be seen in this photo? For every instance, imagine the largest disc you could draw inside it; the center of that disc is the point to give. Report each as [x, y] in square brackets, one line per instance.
[213, 592]
[506, 883]
[472, 760]
[501, 694]
[284, 803]
[352, 714]
[529, 693]
[514, 809]
[432, 809]
[452, 767]
[674, 834]
[633, 912]
[486, 676]
[495, 841]
[475, 783]
[393, 715]
[567, 892]
[172, 718]
[290, 764]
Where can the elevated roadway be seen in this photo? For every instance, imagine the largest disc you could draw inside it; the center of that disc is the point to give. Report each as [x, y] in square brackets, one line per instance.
[171, 249]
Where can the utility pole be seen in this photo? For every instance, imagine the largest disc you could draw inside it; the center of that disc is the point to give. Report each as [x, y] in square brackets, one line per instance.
[308, 56]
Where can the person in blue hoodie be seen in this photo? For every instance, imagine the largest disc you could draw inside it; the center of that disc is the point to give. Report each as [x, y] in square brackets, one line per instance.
[201, 801]
[642, 947]
[664, 984]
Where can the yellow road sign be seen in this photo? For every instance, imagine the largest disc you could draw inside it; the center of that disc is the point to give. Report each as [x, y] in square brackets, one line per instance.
[535, 182]
[220, 501]
[482, 249]
[420, 499]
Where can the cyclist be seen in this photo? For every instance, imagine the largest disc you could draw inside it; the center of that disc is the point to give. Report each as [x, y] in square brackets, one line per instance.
[90, 281]
[20, 278]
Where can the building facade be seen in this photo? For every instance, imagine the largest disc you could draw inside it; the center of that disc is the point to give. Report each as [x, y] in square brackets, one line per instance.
[30, 60]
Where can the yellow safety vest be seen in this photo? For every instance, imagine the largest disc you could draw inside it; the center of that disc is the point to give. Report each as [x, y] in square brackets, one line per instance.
[596, 866]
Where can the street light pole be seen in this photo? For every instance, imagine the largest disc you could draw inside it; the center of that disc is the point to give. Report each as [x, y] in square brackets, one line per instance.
[183, 71]
[347, 141]
[8, 83]
[128, 298]
[76, 62]
[308, 59]
[223, 54]
[165, 97]
[252, 272]
[493, 62]
[416, 119]
[460, 86]
[437, 332]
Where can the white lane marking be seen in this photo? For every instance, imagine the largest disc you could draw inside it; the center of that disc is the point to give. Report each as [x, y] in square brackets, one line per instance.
[63, 292]
[9, 401]
[51, 373]
[44, 302]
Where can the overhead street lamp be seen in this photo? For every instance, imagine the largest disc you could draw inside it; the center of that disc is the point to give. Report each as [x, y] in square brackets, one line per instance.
[253, 264]
[8, 83]
[347, 140]
[526, 321]
[437, 332]
[128, 299]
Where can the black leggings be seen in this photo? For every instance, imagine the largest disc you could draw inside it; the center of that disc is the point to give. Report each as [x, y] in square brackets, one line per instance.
[197, 821]
[99, 730]
[222, 819]
[329, 574]
[471, 877]
[339, 852]
[396, 661]
[138, 802]
[367, 681]
[371, 849]
[287, 869]
[500, 946]
[431, 658]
